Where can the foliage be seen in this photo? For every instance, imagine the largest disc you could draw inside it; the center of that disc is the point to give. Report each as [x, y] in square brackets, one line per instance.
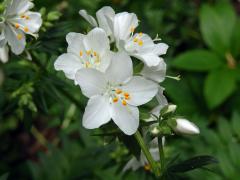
[40, 110]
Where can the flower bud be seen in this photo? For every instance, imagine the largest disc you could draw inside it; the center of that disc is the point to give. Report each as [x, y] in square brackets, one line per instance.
[186, 127]
[168, 109]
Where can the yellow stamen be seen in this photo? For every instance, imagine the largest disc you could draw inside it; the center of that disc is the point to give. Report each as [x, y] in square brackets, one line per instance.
[19, 36]
[135, 40]
[115, 99]
[127, 97]
[17, 25]
[118, 91]
[22, 16]
[140, 34]
[124, 102]
[147, 167]
[140, 42]
[27, 17]
[80, 53]
[126, 94]
[26, 29]
[94, 53]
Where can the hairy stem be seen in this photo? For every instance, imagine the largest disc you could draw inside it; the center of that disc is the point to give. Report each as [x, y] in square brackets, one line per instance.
[146, 152]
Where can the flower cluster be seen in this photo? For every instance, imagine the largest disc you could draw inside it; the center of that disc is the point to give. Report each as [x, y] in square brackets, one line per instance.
[106, 76]
[17, 21]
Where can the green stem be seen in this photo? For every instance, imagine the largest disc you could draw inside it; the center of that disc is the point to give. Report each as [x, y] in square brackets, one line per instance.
[161, 153]
[146, 152]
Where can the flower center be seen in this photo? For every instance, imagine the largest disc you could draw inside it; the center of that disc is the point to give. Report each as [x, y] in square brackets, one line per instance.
[117, 94]
[89, 58]
[138, 39]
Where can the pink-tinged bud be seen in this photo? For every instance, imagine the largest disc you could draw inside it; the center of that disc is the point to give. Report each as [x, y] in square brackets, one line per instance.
[186, 127]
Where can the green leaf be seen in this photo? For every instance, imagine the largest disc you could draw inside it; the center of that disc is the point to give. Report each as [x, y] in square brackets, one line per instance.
[193, 163]
[197, 60]
[219, 85]
[235, 40]
[225, 130]
[216, 24]
[236, 123]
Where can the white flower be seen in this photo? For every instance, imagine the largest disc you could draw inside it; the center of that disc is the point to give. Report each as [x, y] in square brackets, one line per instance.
[114, 94]
[186, 127]
[18, 21]
[142, 47]
[104, 17]
[85, 51]
[139, 45]
[155, 73]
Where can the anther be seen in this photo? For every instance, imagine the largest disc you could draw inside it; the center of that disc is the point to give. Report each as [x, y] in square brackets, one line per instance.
[135, 40]
[127, 97]
[19, 36]
[124, 102]
[140, 42]
[80, 53]
[115, 99]
[26, 29]
[118, 91]
[17, 25]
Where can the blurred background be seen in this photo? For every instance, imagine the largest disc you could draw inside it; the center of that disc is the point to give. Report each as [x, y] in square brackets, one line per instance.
[40, 110]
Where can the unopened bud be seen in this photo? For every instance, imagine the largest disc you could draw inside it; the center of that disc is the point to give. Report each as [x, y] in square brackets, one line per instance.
[185, 127]
[168, 109]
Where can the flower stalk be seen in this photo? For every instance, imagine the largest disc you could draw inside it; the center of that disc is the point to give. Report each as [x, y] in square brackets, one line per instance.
[161, 153]
[146, 152]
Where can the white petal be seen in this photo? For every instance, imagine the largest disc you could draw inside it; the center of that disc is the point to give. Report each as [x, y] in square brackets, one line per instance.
[124, 24]
[3, 40]
[91, 81]
[97, 40]
[18, 7]
[186, 127]
[88, 17]
[4, 54]
[162, 100]
[102, 15]
[105, 61]
[146, 47]
[97, 112]
[69, 64]
[125, 117]
[75, 43]
[17, 44]
[149, 59]
[155, 73]
[120, 68]
[33, 23]
[160, 49]
[140, 90]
